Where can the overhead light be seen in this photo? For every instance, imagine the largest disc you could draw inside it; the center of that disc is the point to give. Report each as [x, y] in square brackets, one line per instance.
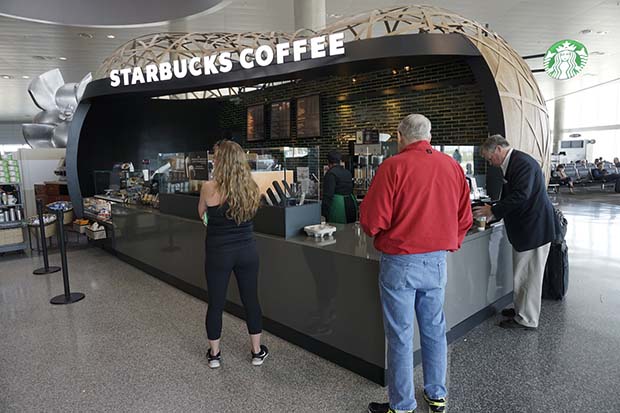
[597, 32]
[394, 71]
[40, 57]
[85, 35]
[407, 68]
[25, 77]
[62, 58]
[353, 80]
[110, 36]
[335, 16]
[597, 53]
[589, 74]
[6, 77]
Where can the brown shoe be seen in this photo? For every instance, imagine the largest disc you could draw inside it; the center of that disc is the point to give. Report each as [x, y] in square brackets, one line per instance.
[509, 312]
[512, 324]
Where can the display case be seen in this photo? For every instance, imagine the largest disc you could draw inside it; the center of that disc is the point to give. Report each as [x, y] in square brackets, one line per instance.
[299, 167]
[288, 179]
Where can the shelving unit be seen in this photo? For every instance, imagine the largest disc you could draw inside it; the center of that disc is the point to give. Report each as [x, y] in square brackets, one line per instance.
[12, 237]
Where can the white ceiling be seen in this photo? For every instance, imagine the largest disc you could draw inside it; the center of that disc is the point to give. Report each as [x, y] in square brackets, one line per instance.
[529, 26]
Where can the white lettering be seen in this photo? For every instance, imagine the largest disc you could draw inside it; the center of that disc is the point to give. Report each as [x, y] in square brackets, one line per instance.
[282, 52]
[115, 79]
[151, 73]
[264, 55]
[137, 76]
[210, 64]
[336, 44]
[225, 62]
[299, 47]
[179, 67]
[317, 47]
[125, 72]
[192, 66]
[243, 58]
[165, 71]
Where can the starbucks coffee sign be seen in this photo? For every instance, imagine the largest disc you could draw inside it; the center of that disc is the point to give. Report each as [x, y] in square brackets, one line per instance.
[565, 59]
[265, 55]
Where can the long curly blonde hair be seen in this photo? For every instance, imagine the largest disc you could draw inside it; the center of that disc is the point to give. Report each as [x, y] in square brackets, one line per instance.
[235, 183]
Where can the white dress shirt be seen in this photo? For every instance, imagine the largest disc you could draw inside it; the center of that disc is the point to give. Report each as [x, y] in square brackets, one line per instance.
[504, 165]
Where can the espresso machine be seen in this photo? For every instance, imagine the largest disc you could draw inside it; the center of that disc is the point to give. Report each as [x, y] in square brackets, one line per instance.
[365, 161]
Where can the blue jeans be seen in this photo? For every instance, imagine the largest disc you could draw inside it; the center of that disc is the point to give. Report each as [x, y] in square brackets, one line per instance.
[413, 285]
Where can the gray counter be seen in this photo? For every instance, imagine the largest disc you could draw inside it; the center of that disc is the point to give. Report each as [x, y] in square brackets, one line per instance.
[321, 295]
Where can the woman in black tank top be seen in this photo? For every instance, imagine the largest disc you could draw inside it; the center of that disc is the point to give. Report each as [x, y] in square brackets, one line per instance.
[227, 206]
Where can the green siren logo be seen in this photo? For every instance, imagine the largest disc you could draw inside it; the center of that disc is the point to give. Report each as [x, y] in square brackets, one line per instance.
[565, 59]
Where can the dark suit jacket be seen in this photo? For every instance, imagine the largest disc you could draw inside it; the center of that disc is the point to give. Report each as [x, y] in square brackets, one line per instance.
[525, 207]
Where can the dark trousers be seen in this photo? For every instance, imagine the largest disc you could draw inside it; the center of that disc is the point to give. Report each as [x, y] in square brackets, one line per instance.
[218, 266]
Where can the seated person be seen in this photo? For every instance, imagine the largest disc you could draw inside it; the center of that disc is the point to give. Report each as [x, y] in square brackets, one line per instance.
[617, 162]
[564, 179]
[338, 204]
[600, 173]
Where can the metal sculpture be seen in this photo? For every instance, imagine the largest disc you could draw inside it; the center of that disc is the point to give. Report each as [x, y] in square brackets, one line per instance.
[526, 119]
[58, 102]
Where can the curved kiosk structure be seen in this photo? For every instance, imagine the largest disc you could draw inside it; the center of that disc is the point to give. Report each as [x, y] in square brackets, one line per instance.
[368, 69]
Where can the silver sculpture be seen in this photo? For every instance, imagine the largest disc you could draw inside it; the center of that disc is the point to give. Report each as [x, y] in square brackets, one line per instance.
[58, 102]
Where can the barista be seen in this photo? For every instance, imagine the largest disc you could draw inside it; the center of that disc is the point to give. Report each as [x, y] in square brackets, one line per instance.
[338, 205]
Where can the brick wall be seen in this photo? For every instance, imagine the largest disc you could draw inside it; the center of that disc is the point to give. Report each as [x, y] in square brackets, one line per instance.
[447, 94]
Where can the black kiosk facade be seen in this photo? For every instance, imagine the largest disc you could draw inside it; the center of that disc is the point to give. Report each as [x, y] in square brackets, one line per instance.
[323, 297]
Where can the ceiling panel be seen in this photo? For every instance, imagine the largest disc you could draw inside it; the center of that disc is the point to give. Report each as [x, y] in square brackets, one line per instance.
[529, 26]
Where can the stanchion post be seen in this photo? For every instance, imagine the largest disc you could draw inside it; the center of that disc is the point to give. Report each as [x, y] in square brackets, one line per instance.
[46, 264]
[68, 297]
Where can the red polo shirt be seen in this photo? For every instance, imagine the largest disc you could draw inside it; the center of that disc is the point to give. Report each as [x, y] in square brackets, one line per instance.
[418, 202]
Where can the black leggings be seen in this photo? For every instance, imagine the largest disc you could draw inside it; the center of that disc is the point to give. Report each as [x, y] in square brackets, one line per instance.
[218, 266]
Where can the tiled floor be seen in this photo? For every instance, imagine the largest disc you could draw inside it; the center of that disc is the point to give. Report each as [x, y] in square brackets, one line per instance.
[137, 344]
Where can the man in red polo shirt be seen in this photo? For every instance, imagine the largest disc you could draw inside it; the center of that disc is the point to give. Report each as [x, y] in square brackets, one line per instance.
[418, 209]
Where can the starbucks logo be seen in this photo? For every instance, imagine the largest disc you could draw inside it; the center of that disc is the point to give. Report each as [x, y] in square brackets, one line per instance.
[565, 59]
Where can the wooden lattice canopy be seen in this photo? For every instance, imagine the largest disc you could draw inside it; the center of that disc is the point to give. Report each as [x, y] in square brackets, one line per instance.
[525, 114]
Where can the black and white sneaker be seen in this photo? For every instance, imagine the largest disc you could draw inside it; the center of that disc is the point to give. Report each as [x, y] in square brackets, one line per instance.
[259, 358]
[214, 360]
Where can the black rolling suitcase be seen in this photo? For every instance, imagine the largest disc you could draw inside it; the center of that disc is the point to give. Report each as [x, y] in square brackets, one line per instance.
[555, 281]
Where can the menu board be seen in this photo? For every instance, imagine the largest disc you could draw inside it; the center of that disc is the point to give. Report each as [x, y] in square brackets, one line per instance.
[308, 117]
[256, 123]
[196, 166]
[281, 120]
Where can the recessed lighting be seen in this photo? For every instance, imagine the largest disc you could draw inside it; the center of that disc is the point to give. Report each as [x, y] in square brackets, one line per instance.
[585, 31]
[62, 58]
[85, 35]
[353, 80]
[407, 68]
[335, 16]
[394, 71]
[597, 53]
[6, 77]
[110, 36]
[602, 32]
[39, 57]
[25, 77]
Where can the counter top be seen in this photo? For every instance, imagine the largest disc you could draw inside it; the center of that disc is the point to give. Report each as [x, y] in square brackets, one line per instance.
[349, 239]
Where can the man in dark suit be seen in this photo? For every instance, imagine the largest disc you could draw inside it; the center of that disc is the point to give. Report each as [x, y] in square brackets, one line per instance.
[529, 220]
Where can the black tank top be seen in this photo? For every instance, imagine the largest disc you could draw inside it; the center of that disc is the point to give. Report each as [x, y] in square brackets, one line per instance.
[224, 233]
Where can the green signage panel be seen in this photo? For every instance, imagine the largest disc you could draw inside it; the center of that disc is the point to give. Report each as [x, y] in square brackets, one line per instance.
[565, 59]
